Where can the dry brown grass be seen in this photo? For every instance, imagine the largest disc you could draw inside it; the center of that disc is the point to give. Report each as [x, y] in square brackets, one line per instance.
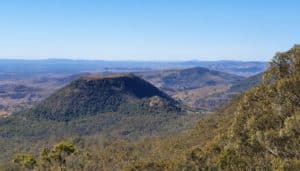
[4, 113]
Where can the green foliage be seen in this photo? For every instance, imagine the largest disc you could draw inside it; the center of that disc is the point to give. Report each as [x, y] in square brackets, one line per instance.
[231, 160]
[265, 133]
[93, 96]
[58, 154]
[49, 159]
[284, 65]
[26, 161]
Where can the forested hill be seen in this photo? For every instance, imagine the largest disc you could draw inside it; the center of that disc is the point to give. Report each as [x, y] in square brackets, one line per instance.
[96, 94]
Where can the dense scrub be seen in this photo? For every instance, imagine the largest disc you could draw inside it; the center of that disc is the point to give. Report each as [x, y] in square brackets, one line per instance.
[265, 132]
[92, 95]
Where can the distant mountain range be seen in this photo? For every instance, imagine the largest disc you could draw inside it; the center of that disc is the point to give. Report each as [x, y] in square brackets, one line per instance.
[200, 87]
[189, 81]
[191, 78]
[242, 68]
[21, 68]
[196, 87]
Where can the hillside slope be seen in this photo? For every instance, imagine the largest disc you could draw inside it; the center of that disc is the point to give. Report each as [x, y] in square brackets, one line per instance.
[182, 79]
[263, 131]
[193, 84]
[219, 99]
[94, 94]
[246, 84]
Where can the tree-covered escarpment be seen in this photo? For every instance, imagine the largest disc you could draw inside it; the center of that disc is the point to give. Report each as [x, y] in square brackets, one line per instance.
[265, 131]
[260, 130]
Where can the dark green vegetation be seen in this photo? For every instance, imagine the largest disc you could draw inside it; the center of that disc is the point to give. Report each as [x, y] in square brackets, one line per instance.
[259, 130]
[91, 95]
[265, 131]
[109, 106]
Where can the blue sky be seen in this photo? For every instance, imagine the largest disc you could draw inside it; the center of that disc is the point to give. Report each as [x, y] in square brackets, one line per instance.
[148, 29]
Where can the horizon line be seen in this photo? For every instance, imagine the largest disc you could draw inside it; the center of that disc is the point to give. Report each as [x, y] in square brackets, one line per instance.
[127, 60]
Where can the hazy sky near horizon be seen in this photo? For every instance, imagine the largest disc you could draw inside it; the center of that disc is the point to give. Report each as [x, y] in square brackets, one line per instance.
[148, 29]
